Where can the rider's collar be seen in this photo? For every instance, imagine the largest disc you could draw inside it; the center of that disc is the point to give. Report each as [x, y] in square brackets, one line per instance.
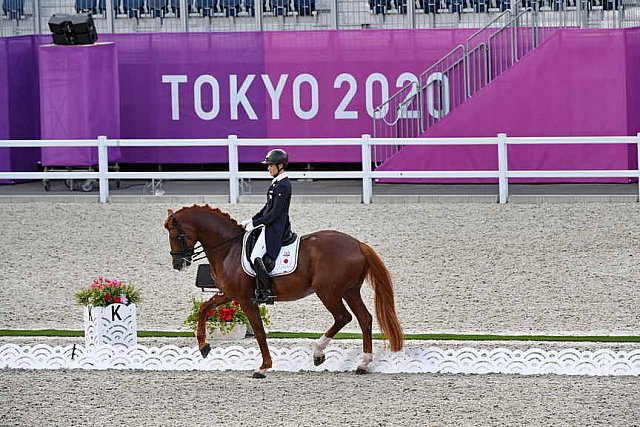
[280, 177]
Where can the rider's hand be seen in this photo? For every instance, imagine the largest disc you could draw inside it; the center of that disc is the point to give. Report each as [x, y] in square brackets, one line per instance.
[247, 224]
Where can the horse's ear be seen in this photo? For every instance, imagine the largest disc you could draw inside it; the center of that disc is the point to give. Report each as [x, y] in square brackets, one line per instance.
[169, 212]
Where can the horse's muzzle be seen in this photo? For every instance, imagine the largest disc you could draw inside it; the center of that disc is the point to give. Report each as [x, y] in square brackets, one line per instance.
[181, 263]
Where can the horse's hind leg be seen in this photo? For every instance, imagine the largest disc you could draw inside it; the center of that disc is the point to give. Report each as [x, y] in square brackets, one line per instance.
[354, 300]
[201, 331]
[341, 317]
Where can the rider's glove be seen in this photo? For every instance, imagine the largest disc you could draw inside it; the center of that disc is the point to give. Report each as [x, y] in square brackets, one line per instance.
[247, 224]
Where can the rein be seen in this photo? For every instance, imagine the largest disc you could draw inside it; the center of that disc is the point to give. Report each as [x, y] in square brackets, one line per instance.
[199, 253]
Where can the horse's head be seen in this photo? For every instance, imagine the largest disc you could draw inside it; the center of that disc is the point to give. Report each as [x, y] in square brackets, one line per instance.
[182, 240]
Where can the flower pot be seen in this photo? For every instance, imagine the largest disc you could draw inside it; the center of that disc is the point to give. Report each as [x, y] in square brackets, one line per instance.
[114, 324]
[237, 333]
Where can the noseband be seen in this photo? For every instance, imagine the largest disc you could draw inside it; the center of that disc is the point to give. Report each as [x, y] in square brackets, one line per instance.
[187, 254]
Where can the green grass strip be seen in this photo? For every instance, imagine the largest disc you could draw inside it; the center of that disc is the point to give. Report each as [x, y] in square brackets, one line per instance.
[346, 335]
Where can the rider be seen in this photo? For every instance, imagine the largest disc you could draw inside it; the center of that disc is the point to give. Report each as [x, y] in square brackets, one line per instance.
[275, 217]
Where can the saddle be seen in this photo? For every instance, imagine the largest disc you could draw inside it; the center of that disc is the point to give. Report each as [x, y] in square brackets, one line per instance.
[286, 261]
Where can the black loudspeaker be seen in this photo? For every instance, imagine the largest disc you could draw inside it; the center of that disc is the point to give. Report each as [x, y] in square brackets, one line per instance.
[60, 27]
[73, 29]
[84, 29]
[204, 279]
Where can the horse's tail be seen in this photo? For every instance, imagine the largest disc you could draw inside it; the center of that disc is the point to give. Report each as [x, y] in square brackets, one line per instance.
[380, 280]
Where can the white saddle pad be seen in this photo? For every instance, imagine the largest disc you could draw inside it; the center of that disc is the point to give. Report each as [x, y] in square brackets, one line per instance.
[286, 262]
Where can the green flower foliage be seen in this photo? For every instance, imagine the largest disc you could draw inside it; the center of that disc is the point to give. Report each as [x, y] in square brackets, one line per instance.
[224, 317]
[103, 292]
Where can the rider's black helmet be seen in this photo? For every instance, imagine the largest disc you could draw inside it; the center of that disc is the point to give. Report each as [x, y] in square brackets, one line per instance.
[276, 157]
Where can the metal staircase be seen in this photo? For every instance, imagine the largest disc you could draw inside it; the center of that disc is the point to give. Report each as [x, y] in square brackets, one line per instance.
[458, 76]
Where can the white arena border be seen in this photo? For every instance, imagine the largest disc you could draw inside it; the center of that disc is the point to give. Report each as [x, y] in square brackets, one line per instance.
[602, 362]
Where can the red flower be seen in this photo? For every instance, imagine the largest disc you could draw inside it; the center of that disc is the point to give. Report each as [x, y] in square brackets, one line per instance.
[107, 297]
[116, 299]
[211, 312]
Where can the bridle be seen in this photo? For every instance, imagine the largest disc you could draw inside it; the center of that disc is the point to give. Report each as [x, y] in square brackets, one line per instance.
[187, 254]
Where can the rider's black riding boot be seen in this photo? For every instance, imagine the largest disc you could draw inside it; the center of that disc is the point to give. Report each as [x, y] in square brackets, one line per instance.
[264, 295]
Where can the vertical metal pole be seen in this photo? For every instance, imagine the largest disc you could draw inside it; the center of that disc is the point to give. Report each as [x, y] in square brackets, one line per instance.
[233, 170]
[259, 8]
[638, 157]
[111, 26]
[36, 16]
[184, 15]
[334, 14]
[367, 186]
[103, 168]
[503, 183]
[411, 13]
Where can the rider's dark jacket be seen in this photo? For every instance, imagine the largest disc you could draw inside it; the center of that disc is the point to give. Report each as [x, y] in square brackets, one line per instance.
[275, 214]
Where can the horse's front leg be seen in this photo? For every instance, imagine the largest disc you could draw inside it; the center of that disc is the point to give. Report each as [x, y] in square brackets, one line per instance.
[253, 314]
[201, 331]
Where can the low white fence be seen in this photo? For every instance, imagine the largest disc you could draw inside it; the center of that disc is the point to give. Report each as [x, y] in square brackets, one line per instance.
[367, 175]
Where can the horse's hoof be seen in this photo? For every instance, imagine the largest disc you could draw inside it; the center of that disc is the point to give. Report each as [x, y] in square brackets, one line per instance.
[258, 374]
[361, 371]
[205, 350]
[318, 360]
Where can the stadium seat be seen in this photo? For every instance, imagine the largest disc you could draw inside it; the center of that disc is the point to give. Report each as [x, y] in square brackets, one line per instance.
[133, 8]
[14, 9]
[102, 6]
[481, 6]
[379, 7]
[206, 7]
[280, 7]
[157, 8]
[86, 6]
[455, 6]
[304, 7]
[504, 5]
[401, 6]
[230, 7]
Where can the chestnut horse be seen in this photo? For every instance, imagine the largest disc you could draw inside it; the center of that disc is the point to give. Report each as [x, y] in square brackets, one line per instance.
[331, 264]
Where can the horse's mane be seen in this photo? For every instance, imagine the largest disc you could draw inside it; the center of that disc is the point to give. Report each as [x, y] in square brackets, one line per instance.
[213, 210]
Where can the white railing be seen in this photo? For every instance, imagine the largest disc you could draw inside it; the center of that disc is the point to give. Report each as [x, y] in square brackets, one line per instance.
[366, 174]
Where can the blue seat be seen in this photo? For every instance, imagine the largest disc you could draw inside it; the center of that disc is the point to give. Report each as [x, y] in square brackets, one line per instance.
[14, 9]
[206, 7]
[379, 7]
[456, 6]
[280, 7]
[157, 8]
[86, 6]
[230, 7]
[133, 8]
[504, 5]
[102, 6]
[481, 6]
[401, 6]
[304, 7]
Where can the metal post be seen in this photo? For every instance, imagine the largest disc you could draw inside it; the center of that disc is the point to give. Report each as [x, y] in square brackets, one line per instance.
[503, 182]
[103, 168]
[259, 10]
[638, 160]
[334, 14]
[184, 16]
[367, 186]
[111, 26]
[36, 17]
[233, 170]
[411, 13]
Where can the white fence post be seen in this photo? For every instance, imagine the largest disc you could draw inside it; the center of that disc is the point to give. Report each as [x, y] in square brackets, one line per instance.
[367, 186]
[503, 182]
[234, 195]
[638, 157]
[103, 168]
